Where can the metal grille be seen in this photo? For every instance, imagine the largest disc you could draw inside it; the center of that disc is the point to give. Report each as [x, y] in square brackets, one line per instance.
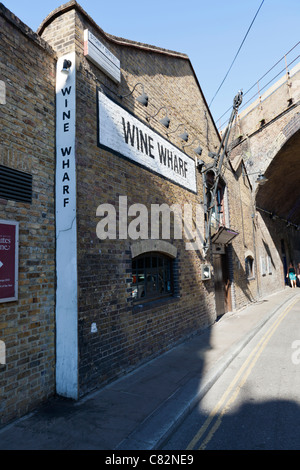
[151, 276]
[15, 185]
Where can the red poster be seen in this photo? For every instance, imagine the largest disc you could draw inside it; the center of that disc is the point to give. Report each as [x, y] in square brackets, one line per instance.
[8, 261]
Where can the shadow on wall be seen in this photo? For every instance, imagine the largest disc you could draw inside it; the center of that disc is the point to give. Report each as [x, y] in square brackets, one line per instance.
[127, 337]
[245, 289]
[278, 251]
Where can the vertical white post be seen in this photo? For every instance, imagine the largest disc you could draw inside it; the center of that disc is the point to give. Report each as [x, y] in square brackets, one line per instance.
[66, 231]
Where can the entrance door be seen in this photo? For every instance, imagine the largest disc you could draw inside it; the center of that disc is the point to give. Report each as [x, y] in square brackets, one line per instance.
[222, 284]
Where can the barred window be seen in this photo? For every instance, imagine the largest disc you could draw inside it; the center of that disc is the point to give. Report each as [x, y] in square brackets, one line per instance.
[152, 275]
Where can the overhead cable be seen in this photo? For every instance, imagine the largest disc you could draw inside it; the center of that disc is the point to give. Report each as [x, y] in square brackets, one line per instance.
[265, 74]
[262, 88]
[237, 53]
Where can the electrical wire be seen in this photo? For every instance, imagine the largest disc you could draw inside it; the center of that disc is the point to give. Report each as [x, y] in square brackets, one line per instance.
[262, 88]
[260, 79]
[237, 53]
[270, 81]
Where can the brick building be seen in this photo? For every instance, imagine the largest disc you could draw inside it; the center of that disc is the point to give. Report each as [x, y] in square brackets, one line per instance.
[27, 176]
[109, 131]
[267, 138]
[121, 323]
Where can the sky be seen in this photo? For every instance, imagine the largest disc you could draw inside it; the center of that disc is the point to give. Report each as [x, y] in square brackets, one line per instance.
[210, 32]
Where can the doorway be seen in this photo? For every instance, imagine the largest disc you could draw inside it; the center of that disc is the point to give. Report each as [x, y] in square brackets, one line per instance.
[222, 283]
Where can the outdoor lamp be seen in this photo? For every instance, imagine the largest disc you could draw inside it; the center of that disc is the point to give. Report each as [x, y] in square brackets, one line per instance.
[165, 121]
[143, 98]
[66, 66]
[261, 179]
[197, 150]
[199, 164]
[184, 136]
[212, 154]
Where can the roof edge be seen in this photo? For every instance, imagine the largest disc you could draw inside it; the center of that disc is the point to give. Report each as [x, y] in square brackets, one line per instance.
[26, 30]
[73, 4]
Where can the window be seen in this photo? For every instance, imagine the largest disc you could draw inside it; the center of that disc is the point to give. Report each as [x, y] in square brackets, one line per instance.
[249, 263]
[263, 268]
[152, 276]
[269, 262]
[218, 210]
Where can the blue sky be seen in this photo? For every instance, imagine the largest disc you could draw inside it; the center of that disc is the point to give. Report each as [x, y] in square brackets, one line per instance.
[210, 32]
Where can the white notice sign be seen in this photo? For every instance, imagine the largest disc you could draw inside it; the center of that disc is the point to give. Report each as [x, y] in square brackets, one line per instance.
[66, 231]
[95, 51]
[128, 137]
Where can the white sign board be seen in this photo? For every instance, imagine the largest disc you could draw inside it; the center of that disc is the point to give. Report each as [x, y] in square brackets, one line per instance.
[66, 234]
[125, 135]
[95, 51]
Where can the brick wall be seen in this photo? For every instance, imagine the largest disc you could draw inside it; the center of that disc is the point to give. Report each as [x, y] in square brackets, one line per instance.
[27, 136]
[116, 334]
[270, 236]
[268, 123]
[267, 140]
[241, 220]
[126, 335]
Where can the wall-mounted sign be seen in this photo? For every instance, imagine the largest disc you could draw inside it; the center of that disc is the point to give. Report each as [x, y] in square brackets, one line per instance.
[127, 136]
[224, 236]
[9, 246]
[95, 51]
[66, 234]
[65, 144]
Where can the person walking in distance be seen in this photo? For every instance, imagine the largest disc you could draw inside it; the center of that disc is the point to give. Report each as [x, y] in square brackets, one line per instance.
[292, 275]
[298, 273]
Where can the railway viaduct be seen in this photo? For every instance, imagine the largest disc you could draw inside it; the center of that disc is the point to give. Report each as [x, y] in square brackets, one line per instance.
[266, 140]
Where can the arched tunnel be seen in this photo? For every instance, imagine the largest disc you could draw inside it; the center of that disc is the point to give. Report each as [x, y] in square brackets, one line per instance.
[280, 195]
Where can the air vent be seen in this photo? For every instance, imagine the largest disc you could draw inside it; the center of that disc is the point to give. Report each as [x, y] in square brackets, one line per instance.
[15, 185]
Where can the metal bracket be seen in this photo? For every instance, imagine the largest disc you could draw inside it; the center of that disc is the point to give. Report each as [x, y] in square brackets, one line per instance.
[216, 167]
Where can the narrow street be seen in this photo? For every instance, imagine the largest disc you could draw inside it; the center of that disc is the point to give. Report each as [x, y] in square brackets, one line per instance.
[255, 404]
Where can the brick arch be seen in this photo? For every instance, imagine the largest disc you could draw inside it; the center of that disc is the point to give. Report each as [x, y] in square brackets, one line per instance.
[282, 138]
[144, 246]
[249, 253]
[281, 194]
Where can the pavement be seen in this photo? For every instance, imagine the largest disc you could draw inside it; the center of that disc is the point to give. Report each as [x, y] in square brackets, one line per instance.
[142, 409]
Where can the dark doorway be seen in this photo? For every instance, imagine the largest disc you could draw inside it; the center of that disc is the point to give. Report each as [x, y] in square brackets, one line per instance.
[222, 284]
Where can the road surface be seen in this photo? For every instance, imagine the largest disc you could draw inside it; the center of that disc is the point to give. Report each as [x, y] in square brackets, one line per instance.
[256, 403]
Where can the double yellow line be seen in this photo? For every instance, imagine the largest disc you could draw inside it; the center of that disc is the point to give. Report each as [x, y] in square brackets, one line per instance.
[214, 419]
